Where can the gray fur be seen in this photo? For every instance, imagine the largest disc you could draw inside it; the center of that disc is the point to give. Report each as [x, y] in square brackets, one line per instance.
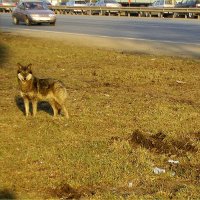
[33, 89]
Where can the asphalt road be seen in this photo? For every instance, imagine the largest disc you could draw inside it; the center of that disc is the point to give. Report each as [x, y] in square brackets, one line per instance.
[149, 35]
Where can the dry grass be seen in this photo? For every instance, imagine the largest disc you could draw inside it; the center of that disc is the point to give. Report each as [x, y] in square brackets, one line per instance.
[128, 114]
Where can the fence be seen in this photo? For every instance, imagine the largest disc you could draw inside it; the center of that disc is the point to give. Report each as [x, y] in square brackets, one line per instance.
[123, 11]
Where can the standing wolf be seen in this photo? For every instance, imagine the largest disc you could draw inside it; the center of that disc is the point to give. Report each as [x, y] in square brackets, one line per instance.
[34, 89]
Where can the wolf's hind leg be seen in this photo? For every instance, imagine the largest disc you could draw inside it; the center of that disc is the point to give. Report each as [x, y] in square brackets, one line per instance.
[65, 111]
[61, 98]
[58, 106]
[26, 104]
[62, 107]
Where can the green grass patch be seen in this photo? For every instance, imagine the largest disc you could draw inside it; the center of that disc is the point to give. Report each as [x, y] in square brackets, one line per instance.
[128, 113]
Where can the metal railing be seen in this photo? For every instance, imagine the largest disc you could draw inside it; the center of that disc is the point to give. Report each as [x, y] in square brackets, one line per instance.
[123, 11]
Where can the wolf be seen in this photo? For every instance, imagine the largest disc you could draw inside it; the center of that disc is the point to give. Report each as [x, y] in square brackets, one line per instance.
[33, 89]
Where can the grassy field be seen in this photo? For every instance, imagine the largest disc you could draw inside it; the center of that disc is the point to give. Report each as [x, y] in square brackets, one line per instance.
[129, 113]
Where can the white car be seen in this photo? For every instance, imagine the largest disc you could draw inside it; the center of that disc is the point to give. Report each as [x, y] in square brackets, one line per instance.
[163, 4]
[77, 3]
[108, 3]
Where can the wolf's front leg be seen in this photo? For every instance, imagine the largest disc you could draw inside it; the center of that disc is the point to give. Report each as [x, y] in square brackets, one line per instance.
[34, 106]
[26, 104]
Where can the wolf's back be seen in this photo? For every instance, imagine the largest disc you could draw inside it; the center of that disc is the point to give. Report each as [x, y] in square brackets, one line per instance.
[52, 87]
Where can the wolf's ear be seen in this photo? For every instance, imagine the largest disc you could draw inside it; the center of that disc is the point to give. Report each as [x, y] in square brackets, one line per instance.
[19, 65]
[29, 66]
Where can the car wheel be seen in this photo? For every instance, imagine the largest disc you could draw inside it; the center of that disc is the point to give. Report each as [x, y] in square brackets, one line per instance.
[15, 20]
[27, 21]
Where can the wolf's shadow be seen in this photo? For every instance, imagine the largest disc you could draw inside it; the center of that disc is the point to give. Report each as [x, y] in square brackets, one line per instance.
[6, 194]
[42, 106]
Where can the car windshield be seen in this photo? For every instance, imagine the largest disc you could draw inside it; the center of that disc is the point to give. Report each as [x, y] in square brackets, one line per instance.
[35, 6]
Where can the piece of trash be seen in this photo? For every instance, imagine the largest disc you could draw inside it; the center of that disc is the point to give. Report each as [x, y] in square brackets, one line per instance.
[157, 170]
[173, 161]
[180, 82]
[153, 59]
[130, 184]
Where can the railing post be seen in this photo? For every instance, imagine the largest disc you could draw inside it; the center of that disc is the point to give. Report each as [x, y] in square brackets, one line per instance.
[149, 14]
[118, 14]
[101, 12]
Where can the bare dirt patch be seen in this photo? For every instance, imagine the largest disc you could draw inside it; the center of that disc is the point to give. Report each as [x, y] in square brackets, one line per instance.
[65, 191]
[162, 144]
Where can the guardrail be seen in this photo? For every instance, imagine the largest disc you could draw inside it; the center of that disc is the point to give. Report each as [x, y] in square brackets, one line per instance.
[123, 11]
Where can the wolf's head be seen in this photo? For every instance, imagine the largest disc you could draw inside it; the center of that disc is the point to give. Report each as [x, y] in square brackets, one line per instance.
[24, 73]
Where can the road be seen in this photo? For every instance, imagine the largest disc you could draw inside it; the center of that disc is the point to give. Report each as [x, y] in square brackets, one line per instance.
[148, 35]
